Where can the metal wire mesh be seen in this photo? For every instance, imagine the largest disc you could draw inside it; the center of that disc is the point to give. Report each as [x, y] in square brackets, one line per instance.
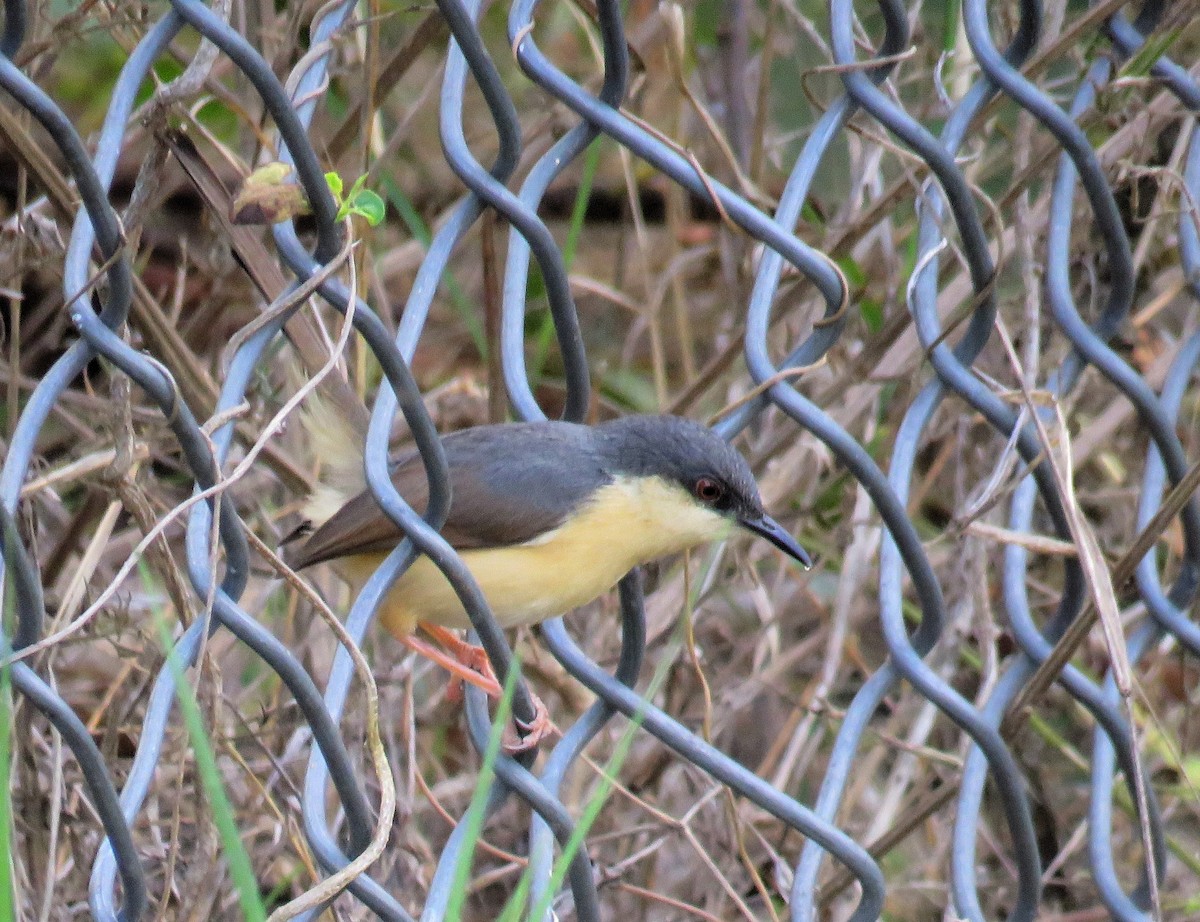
[949, 209]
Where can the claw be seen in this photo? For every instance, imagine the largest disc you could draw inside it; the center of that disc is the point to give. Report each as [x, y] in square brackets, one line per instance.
[527, 736]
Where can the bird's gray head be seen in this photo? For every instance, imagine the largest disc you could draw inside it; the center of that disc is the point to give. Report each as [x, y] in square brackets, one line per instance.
[699, 461]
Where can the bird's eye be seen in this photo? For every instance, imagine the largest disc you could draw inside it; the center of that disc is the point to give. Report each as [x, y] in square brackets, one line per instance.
[709, 490]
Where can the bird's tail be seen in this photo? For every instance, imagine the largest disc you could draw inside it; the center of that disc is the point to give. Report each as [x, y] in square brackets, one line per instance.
[337, 446]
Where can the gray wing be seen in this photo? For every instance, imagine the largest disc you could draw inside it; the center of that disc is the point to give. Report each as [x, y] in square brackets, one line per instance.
[510, 483]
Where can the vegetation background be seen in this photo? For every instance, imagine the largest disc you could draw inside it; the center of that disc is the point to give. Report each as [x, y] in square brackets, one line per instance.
[757, 656]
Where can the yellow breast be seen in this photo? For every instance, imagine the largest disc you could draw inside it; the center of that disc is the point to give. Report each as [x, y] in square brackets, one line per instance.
[626, 523]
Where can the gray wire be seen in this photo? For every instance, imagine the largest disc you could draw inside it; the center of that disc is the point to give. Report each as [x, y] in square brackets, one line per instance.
[599, 114]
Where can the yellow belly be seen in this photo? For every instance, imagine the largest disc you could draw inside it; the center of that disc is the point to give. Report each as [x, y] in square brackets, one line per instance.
[627, 523]
[521, 586]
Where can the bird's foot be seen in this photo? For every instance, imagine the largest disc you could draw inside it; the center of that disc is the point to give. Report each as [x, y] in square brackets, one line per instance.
[467, 662]
[520, 736]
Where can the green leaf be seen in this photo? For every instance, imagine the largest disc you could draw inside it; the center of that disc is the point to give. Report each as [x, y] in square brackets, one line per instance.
[335, 185]
[366, 204]
[359, 201]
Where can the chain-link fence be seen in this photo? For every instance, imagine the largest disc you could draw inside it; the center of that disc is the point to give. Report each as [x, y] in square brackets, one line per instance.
[1071, 94]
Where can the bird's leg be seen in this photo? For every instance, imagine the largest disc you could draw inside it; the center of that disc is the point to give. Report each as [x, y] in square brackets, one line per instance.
[473, 665]
[464, 672]
[467, 654]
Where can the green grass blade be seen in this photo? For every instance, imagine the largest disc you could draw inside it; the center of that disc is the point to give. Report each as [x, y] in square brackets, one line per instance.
[591, 164]
[595, 803]
[8, 909]
[474, 817]
[467, 310]
[951, 13]
[1147, 56]
[206, 765]
[518, 899]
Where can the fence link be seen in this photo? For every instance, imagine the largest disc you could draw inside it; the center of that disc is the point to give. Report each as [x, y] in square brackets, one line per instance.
[966, 345]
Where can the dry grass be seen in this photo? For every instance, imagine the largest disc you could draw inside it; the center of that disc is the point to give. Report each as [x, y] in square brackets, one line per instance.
[770, 656]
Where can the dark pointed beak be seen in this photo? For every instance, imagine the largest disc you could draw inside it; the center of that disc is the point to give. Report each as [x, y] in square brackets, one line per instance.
[777, 535]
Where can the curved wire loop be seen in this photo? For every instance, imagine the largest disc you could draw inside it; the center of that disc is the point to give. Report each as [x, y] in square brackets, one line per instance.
[219, 572]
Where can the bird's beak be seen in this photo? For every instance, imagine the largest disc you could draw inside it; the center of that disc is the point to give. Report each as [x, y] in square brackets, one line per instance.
[775, 533]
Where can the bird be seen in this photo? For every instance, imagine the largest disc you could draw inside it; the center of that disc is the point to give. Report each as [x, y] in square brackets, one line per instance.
[546, 515]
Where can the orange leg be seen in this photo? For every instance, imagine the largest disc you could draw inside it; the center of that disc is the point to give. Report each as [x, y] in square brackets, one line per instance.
[466, 653]
[469, 663]
[457, 668]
